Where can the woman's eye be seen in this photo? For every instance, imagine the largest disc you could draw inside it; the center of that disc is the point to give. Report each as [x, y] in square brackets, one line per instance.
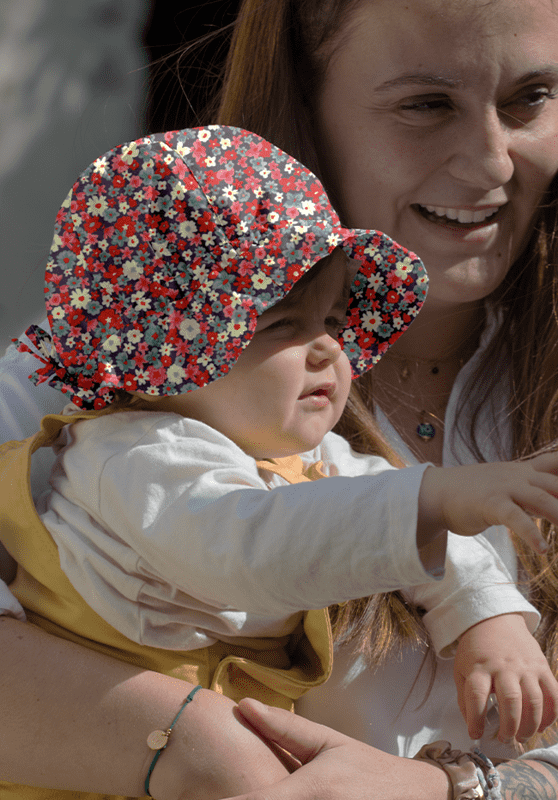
[529, 103]
[425, 107]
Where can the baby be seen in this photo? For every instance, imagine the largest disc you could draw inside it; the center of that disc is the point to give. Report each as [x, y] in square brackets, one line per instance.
[208, 313]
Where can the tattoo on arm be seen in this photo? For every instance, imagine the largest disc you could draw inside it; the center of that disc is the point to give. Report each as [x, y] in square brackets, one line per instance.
[528, 780]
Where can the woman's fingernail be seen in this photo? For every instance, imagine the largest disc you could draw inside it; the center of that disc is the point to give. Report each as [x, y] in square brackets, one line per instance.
[257, 704]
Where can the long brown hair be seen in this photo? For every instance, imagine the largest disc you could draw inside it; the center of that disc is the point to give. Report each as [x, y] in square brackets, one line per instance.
[278, 58]
[276, 64]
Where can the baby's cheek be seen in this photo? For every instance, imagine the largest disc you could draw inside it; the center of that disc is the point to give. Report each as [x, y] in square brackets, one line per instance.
[345, 380]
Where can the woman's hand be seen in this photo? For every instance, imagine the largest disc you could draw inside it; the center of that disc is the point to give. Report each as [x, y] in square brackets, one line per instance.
[468, 500]
[336, 767]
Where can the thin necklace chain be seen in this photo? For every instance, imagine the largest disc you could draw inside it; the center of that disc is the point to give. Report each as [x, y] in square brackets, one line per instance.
[465, 349]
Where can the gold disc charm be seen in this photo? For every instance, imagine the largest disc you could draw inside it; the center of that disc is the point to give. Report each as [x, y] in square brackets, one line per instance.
[157, 740]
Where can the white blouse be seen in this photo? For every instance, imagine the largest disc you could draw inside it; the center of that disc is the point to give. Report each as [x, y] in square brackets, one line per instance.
[389, 708]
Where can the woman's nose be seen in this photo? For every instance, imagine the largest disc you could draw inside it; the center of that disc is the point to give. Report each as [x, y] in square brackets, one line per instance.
[323, 350]
[482, 153]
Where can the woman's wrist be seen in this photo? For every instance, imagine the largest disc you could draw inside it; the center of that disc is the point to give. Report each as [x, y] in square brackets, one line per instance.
[213, 747]
[525, 778]
[431, 782]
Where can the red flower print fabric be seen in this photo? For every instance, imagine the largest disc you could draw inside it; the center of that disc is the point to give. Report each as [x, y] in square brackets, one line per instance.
[167, 249]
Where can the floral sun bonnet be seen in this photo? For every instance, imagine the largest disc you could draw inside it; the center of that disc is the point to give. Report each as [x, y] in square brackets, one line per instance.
[167, 249]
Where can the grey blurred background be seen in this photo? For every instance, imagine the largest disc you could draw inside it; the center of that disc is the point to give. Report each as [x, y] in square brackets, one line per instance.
[78, 77]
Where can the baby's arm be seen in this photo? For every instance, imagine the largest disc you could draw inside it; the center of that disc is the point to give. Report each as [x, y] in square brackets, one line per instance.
[465, 616]
[500, 655]
[497, 654]
[201, 516]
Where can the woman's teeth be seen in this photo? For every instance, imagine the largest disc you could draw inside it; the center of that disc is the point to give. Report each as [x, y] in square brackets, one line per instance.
[461, 215]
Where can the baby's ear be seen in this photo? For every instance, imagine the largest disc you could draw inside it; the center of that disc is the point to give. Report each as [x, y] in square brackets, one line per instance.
[136, 400]
[149, 398]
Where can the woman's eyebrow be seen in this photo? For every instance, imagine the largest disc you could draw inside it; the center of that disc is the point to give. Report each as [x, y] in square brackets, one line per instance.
[548, 71]
[417, 79]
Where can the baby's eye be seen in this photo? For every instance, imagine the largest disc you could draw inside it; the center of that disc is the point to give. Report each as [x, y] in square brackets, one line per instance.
[336, 324]
[283, 323]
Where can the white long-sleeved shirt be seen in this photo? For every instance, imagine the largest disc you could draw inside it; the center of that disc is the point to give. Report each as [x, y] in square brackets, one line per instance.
[169, 531]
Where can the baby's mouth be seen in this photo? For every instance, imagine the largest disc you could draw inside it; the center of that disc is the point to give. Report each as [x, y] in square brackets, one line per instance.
[462, 218]
[323, 390]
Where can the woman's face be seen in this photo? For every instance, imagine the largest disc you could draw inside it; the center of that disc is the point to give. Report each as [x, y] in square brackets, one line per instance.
[438, 122]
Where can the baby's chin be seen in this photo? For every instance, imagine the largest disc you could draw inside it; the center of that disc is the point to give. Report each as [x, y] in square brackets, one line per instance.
[284, 451]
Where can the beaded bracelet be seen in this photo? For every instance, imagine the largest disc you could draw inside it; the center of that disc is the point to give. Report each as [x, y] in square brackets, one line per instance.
[158, 740]
[472, 775]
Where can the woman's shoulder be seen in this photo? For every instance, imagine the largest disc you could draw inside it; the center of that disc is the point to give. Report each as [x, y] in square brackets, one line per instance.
[22, 404]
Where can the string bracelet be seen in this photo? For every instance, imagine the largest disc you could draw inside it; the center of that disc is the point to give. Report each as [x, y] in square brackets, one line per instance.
[158, 740]
[473, 775]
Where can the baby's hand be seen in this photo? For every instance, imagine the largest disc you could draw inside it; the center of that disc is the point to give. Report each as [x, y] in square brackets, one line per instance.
[499, 655]
[467, 500]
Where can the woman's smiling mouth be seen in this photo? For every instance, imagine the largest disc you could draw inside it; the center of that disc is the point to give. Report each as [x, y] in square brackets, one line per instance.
[462, 218]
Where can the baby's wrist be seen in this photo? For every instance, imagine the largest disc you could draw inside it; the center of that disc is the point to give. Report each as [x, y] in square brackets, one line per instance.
[433, 554]
[431, 525]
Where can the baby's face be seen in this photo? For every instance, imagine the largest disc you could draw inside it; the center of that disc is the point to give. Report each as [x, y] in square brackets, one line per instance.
[290, 384]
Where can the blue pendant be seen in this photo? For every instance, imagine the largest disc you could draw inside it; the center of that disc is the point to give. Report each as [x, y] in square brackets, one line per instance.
[426, 431]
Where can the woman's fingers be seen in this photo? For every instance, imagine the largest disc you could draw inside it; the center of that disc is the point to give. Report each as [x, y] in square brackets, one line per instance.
[336, 767]
[298, 736]
[546, 462]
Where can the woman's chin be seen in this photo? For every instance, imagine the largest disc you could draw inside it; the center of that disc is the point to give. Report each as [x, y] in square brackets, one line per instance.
[464, 283]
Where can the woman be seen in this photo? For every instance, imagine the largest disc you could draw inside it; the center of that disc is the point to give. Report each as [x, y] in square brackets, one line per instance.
[484, 100]
[444, 134]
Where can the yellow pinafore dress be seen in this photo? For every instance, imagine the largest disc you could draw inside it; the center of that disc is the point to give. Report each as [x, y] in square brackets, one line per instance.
[276, 672]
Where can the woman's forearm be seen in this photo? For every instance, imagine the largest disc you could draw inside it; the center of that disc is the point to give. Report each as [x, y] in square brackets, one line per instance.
[85, 719]
[528, 780]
